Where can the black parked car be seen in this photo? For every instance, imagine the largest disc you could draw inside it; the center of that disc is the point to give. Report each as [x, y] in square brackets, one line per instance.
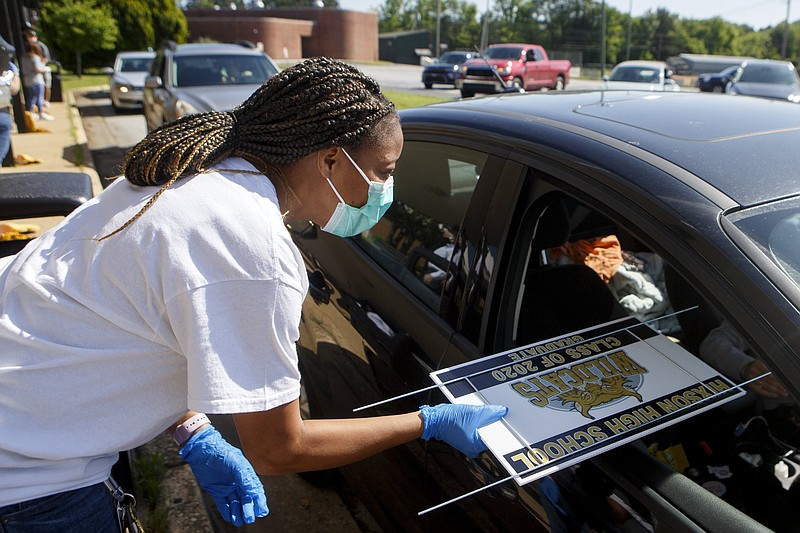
[703, 202]
[716, 82]
[445, 69]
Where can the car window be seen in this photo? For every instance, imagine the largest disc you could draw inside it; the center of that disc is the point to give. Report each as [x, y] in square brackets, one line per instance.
[574, 266]
[416, 240]
[196, 71]
[453, 58]
[635, 74]
[778, 74]
[503, 52]
[775, 229]
[135, 64]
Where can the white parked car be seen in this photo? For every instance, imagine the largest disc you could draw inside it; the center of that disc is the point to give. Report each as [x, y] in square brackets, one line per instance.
[127, 79]
[641, 76]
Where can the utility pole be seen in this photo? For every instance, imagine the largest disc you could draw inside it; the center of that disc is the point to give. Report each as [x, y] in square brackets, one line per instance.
[438, 28]
[485, 28]
[630, 21]
[603, 41]
[786, 29]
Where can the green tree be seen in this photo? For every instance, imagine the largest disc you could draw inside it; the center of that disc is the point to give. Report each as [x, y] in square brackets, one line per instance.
[459, 28]
[75, 28]
[754, 44]
[169, 22]
[135, 23]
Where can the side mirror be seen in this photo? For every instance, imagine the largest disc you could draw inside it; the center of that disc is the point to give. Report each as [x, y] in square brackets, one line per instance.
[153, 82]
[108, 71]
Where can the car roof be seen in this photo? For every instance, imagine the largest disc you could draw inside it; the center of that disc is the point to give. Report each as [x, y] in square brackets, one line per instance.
[777, 62]
[143, 53]
[638, 63]
[197, 49]
[738, 145]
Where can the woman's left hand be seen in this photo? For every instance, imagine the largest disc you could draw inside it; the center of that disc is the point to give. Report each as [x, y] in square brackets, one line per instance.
[224, 472]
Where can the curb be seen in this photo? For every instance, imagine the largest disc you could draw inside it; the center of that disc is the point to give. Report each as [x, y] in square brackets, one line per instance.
[74, 116]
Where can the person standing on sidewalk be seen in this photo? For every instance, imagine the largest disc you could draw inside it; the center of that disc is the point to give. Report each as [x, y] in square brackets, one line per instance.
[180, 289]
[33, 68]
[31, 37]
[9, 86]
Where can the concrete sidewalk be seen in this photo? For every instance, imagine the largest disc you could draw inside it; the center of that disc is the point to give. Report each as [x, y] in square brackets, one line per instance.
[62, 147]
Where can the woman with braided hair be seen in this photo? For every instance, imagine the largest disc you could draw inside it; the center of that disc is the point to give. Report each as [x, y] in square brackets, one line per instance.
[177, 292]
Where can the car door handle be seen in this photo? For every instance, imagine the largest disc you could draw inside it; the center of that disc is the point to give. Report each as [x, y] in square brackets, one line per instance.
[318, 288]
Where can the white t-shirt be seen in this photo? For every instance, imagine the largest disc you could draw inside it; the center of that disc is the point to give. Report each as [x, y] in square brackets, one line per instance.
[103, 345]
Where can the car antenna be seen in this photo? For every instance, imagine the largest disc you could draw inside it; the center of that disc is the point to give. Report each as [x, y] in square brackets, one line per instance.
[506, 87]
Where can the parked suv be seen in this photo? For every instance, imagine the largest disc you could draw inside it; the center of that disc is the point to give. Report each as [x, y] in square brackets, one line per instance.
[193, 78]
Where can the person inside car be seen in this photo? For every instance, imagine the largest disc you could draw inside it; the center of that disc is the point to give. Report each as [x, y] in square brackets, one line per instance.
[178, 290]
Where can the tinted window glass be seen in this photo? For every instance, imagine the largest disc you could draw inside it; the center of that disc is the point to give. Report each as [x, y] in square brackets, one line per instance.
[574, 266]
[775, 228]
[135, 64]
[416, 240]
[195, 71]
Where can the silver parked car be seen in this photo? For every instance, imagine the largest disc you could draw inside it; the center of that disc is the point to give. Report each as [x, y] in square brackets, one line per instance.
[194, 78]
[641, 76]
[126, 79]
[766, 78]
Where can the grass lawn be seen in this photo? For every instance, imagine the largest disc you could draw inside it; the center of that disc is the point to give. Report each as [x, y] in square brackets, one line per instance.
[403, 100]
[71, 81]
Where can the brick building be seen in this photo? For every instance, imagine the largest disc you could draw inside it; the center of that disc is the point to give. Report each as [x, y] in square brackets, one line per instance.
[292, 33]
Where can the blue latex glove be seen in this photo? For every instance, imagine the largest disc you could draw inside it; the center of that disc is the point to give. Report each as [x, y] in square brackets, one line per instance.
[457, 424]
[224, 473]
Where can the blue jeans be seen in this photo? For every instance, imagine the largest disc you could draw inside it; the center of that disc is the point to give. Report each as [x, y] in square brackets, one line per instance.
[5, 134]
[90, 510]
[35, 98]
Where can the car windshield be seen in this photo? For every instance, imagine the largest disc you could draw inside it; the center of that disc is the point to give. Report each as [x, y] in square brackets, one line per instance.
[452, 58]
[775, 229]
[777, 74]
[135, 64]
[503, 52]
[196, 71]
[635, 74]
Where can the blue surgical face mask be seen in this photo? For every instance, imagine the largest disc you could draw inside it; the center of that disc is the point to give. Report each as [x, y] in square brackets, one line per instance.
[347, 220]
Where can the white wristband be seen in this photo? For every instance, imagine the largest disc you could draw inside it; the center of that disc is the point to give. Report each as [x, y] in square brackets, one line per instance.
[185, 431]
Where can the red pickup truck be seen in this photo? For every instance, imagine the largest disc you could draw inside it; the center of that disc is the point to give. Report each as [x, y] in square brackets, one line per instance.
[525, 66]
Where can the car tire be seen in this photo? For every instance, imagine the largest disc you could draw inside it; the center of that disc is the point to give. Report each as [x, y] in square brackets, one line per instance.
[559, 86]
[429, 86]
[517, 82]
[717, 89]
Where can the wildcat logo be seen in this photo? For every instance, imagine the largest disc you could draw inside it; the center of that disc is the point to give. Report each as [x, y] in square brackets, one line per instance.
[594, 394]
[604, 380]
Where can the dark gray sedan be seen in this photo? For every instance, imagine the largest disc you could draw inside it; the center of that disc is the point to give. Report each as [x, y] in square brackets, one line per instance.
[766, 78]
[193, 78]
[523, 220]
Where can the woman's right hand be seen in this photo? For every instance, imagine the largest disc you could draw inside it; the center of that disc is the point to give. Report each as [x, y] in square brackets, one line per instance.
[458, 424]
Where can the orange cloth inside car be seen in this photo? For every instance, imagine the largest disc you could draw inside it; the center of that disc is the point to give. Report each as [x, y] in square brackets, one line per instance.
[603, 254]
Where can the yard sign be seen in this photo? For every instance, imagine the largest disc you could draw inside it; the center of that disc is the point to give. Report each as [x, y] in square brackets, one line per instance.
[575, 396]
